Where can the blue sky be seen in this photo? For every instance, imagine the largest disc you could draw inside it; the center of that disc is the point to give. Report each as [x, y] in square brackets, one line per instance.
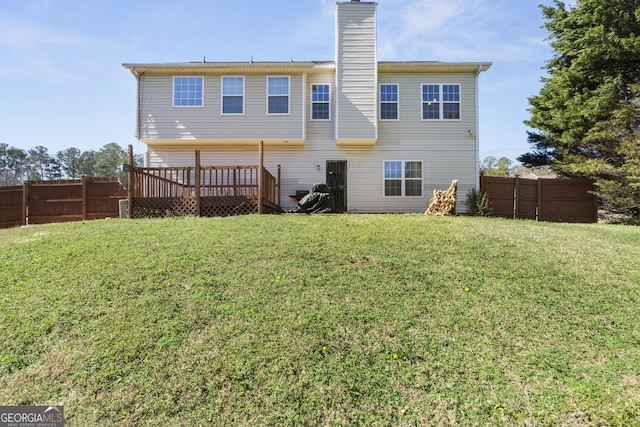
[63, 84]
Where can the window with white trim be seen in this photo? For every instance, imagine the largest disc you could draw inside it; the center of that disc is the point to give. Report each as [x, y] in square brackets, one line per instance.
[389, 102]
[402, 178]
[187, 91]
[233, 95]
[320, 98]
[440, 102]
[278, 95]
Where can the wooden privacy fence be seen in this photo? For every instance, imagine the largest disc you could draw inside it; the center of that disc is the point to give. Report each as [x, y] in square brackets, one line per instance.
[556, 200]
[41, 202]
[202, 191]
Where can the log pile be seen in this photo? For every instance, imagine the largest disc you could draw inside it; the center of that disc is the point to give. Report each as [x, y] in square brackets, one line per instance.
[444, 202]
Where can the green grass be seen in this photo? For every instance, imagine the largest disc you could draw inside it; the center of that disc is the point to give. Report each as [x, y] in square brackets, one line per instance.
[323, 320]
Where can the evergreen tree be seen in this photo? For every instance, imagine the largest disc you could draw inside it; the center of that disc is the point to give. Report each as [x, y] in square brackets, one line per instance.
[69, 160]
[39, 162]
[88, 160]
[110, 159]
[586, 117]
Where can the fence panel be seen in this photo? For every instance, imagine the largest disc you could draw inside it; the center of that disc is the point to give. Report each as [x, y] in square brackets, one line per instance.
[568, 203]
[54, 201]
[41, 202]
[557, 200]
[10, 206]
[526, 196]
[103, 196]
[501, 195]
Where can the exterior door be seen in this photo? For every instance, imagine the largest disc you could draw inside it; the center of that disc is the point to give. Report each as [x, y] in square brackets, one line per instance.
[337, 183]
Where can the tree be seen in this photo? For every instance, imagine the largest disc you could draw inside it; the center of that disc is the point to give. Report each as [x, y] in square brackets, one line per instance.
[16, 165]
[39, 162]
[69, 160]
[87, 163]
[492, 167]
[586, 117]
[110, 159]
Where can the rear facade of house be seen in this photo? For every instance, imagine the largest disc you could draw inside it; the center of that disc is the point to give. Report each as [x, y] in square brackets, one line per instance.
[381, 135]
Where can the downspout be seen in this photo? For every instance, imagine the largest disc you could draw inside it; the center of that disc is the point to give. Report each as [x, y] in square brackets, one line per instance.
[477, 136]
[304, 106]
[138, 103]
[139, 108]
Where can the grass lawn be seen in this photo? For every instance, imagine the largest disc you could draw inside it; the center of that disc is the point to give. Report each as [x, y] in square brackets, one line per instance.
[323, 320]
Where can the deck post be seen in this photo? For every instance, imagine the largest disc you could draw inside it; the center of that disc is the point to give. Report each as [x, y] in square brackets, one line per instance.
[197, 183]
[130, 184]
[260, 175]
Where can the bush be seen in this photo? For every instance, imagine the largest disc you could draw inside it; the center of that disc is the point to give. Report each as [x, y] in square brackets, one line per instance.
[477, 203]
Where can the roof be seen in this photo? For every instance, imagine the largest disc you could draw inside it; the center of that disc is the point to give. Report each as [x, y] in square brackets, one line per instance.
[205, 67]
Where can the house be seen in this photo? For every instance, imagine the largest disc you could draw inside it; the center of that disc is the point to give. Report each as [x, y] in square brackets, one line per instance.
[382, 135]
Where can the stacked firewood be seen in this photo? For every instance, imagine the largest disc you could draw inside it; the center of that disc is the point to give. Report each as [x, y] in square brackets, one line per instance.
[444, 202]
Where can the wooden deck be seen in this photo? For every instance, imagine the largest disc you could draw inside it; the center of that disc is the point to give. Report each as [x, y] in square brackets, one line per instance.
[210, 191]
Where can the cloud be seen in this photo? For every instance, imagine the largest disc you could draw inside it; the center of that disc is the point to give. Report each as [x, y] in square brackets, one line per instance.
[33, 51]
[19, 34]
[459, 30]
[316, 33]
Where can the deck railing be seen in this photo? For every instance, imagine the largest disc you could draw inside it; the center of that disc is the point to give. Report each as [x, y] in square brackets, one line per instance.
[213, 181]
[202, 190]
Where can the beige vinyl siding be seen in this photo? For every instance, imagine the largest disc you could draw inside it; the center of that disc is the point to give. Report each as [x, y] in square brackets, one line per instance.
[441, 164]
[410, 124]
[446, 149]
[318, 130]
[356, 70]
[161, 120]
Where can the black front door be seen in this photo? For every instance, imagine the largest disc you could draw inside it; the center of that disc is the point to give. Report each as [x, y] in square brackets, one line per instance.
[337, 182]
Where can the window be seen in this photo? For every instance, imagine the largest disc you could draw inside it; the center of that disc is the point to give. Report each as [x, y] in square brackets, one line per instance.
[319, 102]
[402, 178]
[440, 102]
[187, 91]
[278, 95]
[389, 102]
[232, 95]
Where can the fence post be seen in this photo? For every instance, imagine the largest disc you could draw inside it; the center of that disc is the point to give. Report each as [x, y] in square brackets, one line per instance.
[516, 194]
[25, 199]
[278, 186]
[538, 199]
[197, 183]
[131, 184]
[260, 175]
[595, 204]
[85, 200]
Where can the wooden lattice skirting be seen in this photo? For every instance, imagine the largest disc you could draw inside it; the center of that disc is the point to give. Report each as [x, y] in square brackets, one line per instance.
[219, 206]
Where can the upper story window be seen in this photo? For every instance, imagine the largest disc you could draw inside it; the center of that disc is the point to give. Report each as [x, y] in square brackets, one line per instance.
[187, 91]
[320, 102]
[402, 178]
[389, 102]
[441, 102]
[278, 95]
[233, 95]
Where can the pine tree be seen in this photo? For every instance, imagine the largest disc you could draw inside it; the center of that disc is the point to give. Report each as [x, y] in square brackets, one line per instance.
[586, 118]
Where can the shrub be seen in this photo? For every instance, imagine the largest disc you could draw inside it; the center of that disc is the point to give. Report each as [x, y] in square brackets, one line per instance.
[477, 203]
